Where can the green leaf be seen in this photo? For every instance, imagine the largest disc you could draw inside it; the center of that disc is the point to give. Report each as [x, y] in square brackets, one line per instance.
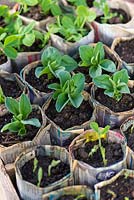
[99, 48]
[25, 107]
[39, 71]
[79, 80]
[91, 16]
[121, 75]
[13, 126]
[86, 53]
[94, 126]
[31, 3]
[105, 130]
[2, 36]
[54, 86]
[45, 5]
[109, 93]
[67, 22]
[12, 105]
[11, 40]
[103, 81]
[40, 176]
[27, 29]
[76, 100]
[95, 71]
[62, 100]
[63, 76]
[69, 63]
[29, 39]
[10, 52]
[108, 65]
[123, 88]
[55, 9]
[32, 121]
[53, 164]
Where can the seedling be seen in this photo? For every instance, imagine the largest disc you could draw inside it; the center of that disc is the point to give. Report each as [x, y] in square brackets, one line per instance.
[79, 197]
[72, 27]
[53, 164]
[94, 59]
[100, 133]
[114, 195]
[114, 86]
[126, 198]
[78, 2]
[20, 110]
[40, 176]
[54, 61]
[35, 164]
[2, 96]
[69, 90]
[104, 7]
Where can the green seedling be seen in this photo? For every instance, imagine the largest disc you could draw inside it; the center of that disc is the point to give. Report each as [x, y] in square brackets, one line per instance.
[20, 110]
[40, 176]
[114, 86]
[53, 164]
[35, 164]
[2, 96]
[93, 57]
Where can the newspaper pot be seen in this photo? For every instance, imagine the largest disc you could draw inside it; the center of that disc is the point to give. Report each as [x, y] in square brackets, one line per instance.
[30, 191]
[99, 186]
[108, 32]
[36, 96]
[13, 78]
[126, 128]
[104, 116]
[70, 47]
[6, 66]
[9, 153]
[89, 175]
[70, 190]
[117, 43]
[63, 137]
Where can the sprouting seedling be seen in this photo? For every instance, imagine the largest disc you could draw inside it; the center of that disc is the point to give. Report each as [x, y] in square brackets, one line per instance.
[93, 150]
[126, 198]
[20, 110]
[53, 164]
[79, 197]
[112, 193]
[40, 176]
[132, 128]
[2, 96]
[35, 164]
[126, 175]
[100, 133]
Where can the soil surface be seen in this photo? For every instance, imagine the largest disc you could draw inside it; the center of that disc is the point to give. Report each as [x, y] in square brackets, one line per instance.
[35, 13]
[10, 88]
[8, 139]
[117, 19]
[121, 188]
[70, 116]
[3, 59]
[57, 173]
[126, 103]
[113, 154]
[125, 50]
[129, 133]
[71, 197]
[37, 46]
[41, 83]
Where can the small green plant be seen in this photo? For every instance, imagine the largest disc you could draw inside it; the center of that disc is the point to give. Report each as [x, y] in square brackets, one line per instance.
[114, 86]
[2, 96]
[7, 45]
[94, 59]
[104, 7]
[20, 110]
[79, 197]
[114, 195]
[78, 2]
[126, 198]
[72, 27]
[69, 90]
[40, 176]
[100, 132]
[53, 164]
[54, 61]
[35, 164]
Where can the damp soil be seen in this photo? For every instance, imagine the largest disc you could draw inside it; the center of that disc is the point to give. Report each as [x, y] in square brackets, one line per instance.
[8, 139]
[10, 88]
[129, 133]
[126, 103]
[41, 83]
[3, 59]
[70, 116]
[35, 13]
[37, 46]
[117, 19]
[113, 154]
[121, 188]
[125, 50]
[71, 197]
[57, 173]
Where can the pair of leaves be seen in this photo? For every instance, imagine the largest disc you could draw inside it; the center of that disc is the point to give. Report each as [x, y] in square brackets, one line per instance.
[52, 6]
[94, 58]
[114, 86]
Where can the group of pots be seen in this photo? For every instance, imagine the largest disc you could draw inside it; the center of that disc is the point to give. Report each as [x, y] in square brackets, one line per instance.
[67, 110]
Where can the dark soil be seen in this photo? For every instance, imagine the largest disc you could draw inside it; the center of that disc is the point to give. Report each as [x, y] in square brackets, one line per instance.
[35, 13]
[121, 188]
[71, 197]
[126, 103]
[70, 116]
[90, 3]
[129, 133]
[37, 46]
[3, 59]
[114, 154]
[10, 88]
[57, 173]
[125, 49]
[41, 83]
[117, 19]
[8, 139]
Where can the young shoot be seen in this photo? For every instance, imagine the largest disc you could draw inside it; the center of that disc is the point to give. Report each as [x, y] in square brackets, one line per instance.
[79, 197]
[2, 96]
[93, 57]
[114, 86]
[53, 164]
[35, 164]
[53, 61]
[100, 133]
[20, 110]
[40, 176]
[69, 90]
[78, 2]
